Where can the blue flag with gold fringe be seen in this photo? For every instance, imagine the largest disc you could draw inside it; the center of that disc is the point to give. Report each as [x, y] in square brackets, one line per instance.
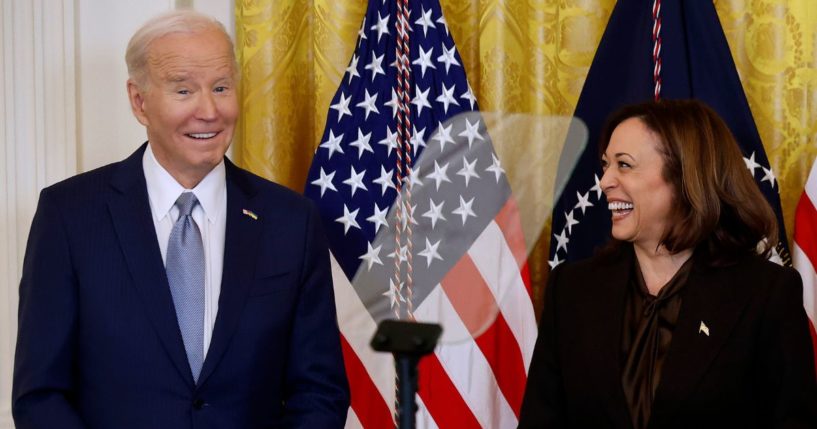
[681, 45]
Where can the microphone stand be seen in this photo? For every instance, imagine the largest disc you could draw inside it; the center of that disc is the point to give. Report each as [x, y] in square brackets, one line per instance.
[408, 342]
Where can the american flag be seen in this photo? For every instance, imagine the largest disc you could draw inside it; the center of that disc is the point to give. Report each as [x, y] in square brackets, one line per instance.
[447, 249]
[669, 49]
[804, 251]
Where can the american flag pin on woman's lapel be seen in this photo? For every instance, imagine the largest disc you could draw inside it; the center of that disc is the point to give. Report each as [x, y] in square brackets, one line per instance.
[703, 328]
[250, 214]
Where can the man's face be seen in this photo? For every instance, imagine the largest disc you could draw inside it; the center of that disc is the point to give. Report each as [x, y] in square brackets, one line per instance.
[188, 103]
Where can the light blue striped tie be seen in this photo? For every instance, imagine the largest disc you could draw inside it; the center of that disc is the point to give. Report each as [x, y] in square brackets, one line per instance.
[185, 273]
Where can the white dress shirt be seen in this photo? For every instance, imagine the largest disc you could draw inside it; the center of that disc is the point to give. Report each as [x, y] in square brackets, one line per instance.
[210, 215]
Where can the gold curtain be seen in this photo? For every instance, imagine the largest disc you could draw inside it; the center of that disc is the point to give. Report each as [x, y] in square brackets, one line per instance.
[774, 45]
[528, 56]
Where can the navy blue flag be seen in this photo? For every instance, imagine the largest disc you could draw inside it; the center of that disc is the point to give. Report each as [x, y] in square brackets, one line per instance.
[453, 256]
[696, 63]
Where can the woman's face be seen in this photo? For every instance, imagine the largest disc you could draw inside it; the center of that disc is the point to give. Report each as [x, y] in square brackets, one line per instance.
[638, 197]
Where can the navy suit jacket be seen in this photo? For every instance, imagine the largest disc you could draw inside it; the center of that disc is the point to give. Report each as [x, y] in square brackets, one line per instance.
[754, 368]
[99, 346]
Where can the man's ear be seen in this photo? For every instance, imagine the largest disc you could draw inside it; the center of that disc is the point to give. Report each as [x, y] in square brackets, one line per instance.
[137, 102]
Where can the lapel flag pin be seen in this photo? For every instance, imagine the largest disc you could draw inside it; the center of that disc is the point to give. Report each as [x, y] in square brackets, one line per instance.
[703, 328]
[250, 214]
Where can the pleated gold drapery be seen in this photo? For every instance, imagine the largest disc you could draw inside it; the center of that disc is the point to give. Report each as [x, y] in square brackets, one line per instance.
[774, 45]
[528, 56]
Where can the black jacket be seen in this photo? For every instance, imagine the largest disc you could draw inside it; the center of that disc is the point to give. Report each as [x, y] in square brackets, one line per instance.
[755, 369]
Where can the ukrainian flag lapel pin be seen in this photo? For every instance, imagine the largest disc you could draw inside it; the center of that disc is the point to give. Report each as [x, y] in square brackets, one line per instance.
[250, 214]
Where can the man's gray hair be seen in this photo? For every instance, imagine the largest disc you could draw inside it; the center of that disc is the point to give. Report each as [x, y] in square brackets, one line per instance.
[176, 21]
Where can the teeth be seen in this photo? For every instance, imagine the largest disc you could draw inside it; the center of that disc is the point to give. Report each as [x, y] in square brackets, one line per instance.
[202, 135]
[618, 205]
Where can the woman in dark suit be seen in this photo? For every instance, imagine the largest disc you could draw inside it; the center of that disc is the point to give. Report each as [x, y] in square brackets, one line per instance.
[681, 322]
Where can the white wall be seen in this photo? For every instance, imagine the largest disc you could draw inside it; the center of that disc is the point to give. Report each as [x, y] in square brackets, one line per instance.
[63, 110]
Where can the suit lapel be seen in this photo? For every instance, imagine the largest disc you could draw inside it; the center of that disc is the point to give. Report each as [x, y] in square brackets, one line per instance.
[619, 281]
[604, 311]
[241, 248]
[711, 297]
[131, 216]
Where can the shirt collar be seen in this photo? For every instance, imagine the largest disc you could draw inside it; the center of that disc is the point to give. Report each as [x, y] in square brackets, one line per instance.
[164, 190]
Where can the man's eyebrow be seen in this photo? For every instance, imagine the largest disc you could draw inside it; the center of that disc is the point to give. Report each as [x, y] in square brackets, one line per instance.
[177, 77]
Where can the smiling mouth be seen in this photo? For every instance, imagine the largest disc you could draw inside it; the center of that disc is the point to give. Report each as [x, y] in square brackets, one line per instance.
[620, 208]
[201, 136]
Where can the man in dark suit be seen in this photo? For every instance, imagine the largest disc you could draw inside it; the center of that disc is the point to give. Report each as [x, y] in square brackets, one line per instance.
[173, 289]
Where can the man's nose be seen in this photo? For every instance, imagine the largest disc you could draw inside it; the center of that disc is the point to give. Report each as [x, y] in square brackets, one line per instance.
[206, 110]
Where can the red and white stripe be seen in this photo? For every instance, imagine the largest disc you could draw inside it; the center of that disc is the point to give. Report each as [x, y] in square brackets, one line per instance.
[804, 253]
[476, 376]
